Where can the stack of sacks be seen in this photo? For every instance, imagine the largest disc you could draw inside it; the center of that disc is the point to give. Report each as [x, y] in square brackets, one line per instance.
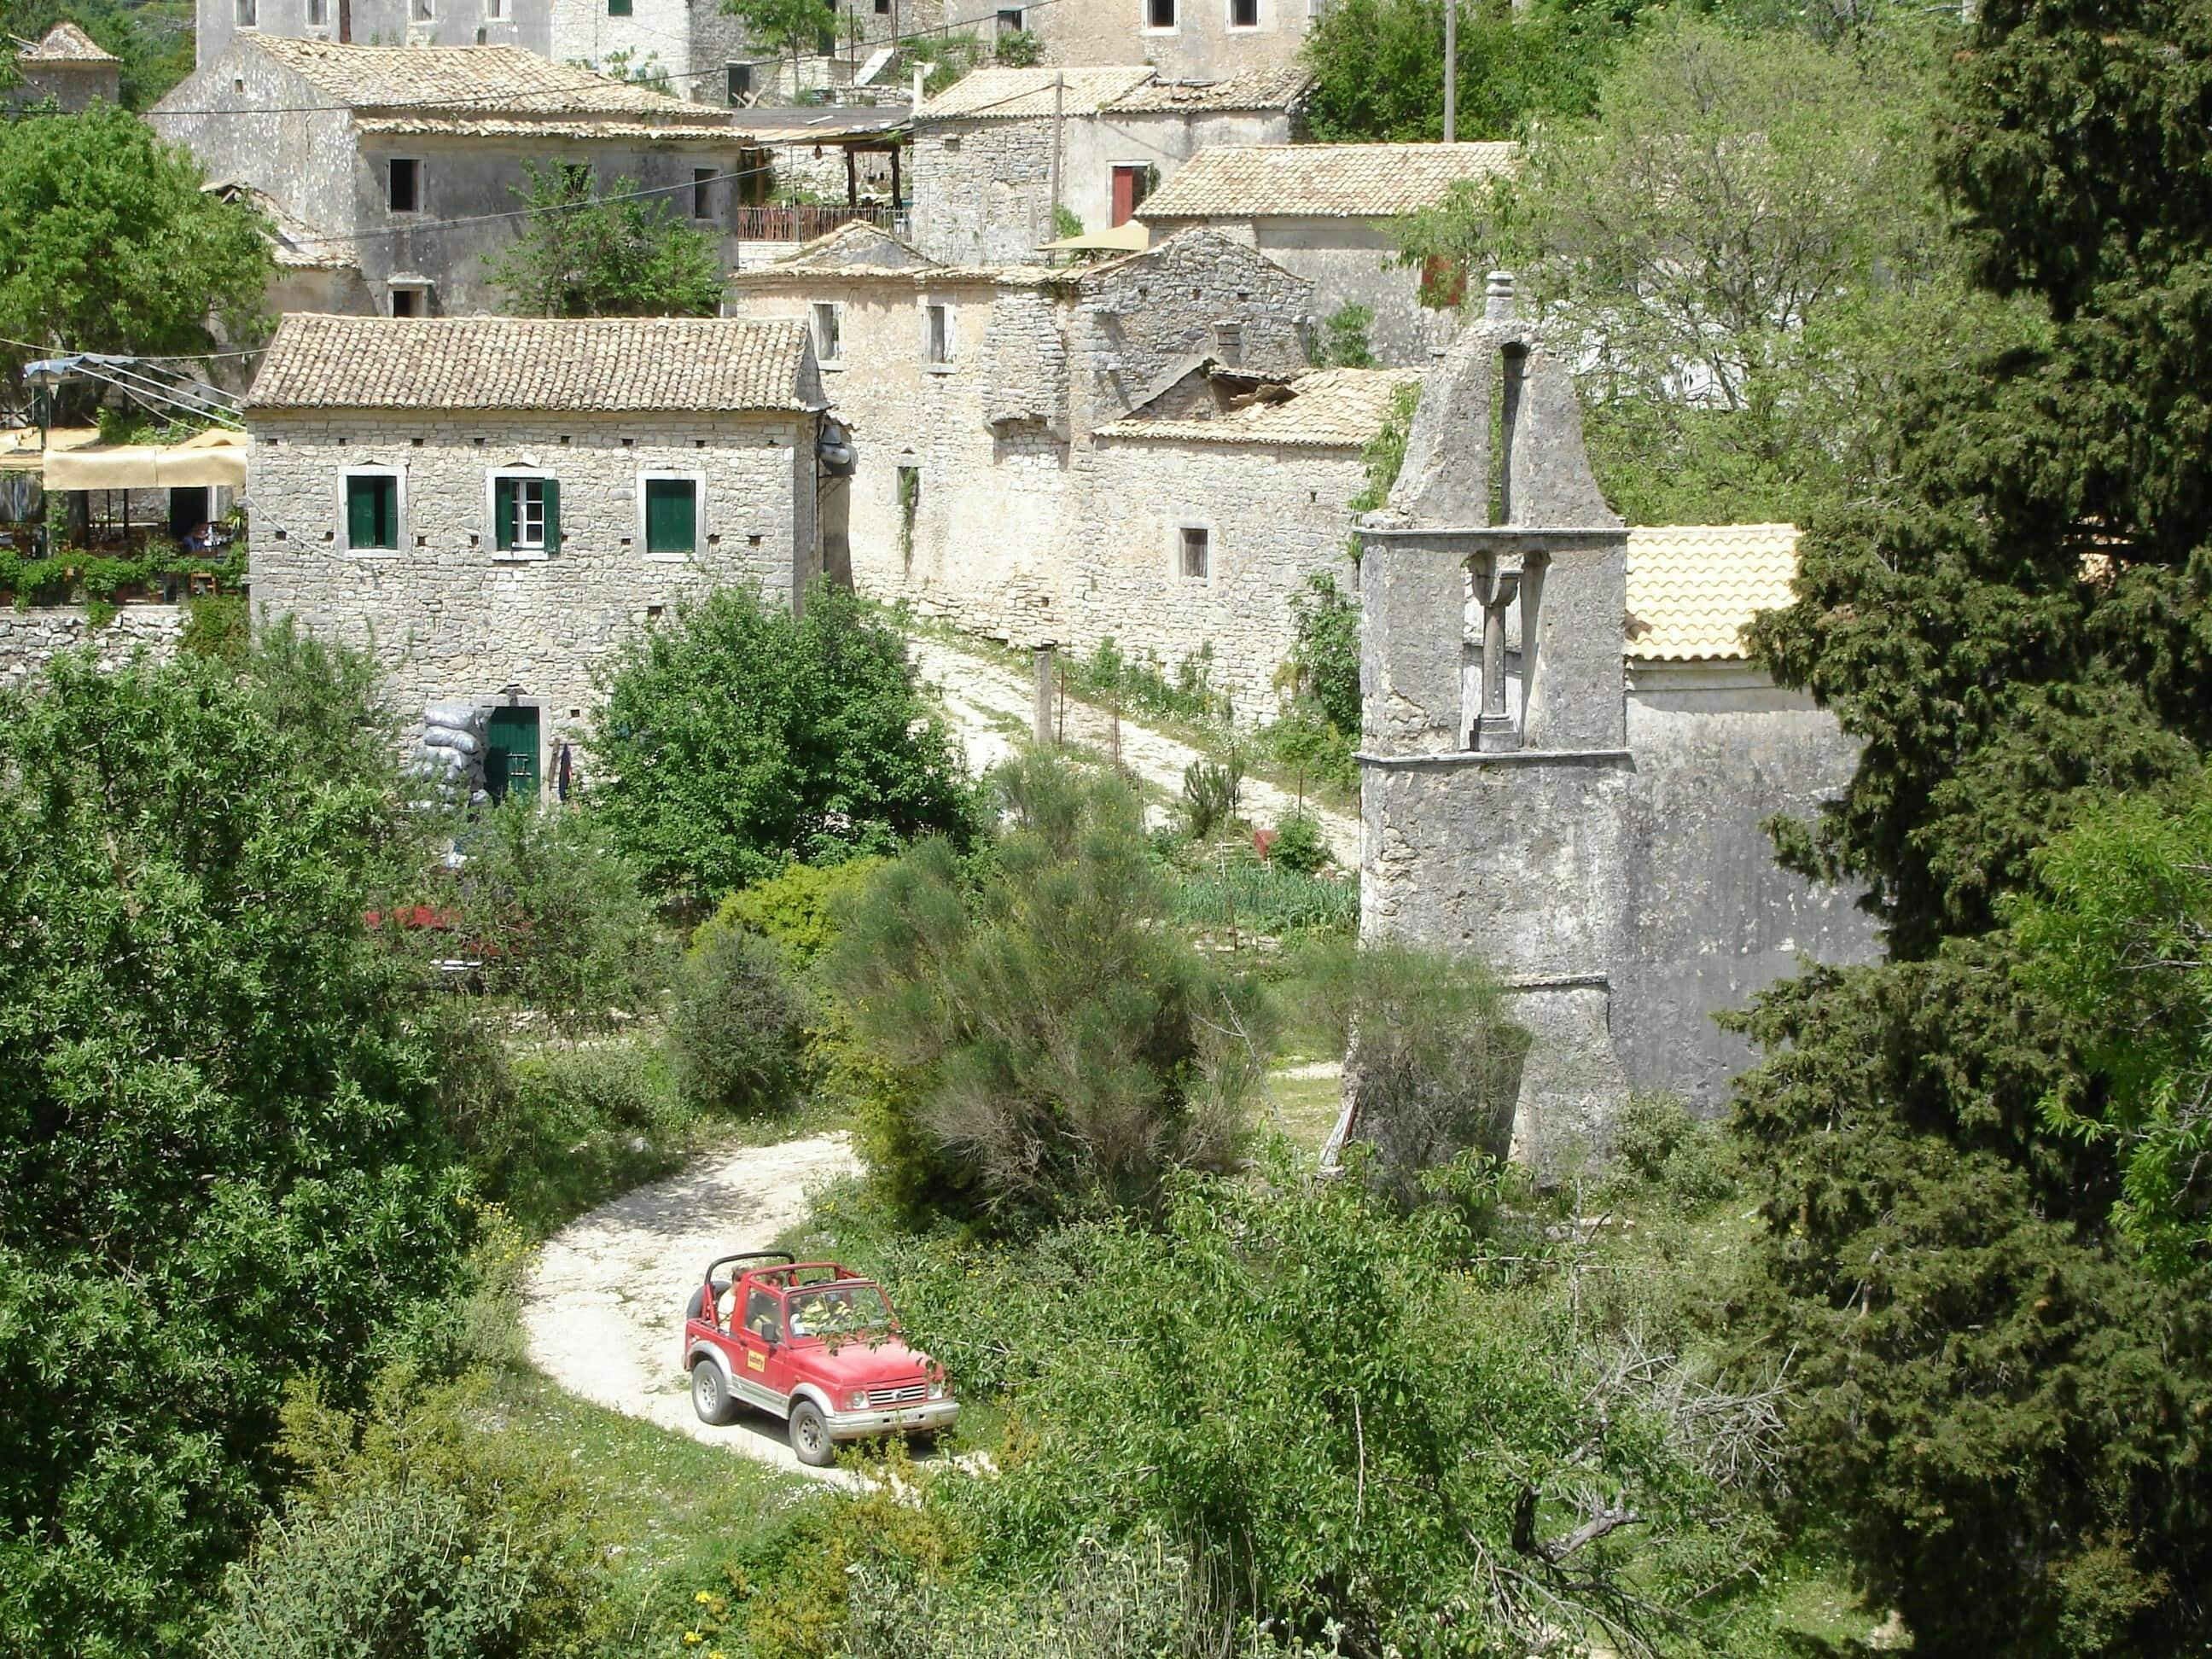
[450, 759]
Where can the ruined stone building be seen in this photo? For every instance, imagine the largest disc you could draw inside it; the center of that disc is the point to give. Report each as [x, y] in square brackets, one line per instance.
[411, 158]
[1580, 810]
[1333, 213]
[1135, 447]
[1185, 40]
[488, 504]
[69, 67]
[987, 150]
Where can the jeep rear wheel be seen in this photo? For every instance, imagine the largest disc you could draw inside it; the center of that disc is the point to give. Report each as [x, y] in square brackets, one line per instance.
[710, 1395]
[810, 1434]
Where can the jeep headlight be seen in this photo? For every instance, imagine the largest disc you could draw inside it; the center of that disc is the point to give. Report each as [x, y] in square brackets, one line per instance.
[857, 1400]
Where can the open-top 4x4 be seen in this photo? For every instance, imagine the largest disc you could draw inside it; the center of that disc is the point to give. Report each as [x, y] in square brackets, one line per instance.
[814, 1343]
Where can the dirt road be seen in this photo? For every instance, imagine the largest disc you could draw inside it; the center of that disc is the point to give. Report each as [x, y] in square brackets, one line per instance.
[604, 1315]
[981, 697]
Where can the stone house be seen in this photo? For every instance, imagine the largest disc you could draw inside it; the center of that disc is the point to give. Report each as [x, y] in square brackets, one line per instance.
[1332, 213]
[1581, 811]
[414, 156]
[1188, 39]
[1209, 509]
[489, 504]
[986, 151]
[69, 66]
[977, 394]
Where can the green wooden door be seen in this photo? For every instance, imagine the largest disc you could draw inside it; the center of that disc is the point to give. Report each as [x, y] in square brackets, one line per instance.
[511, 753]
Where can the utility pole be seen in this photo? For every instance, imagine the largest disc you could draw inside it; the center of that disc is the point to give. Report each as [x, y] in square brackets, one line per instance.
[1451, 71]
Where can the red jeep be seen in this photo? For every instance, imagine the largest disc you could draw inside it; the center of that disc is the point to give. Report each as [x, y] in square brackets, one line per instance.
[814, 1343]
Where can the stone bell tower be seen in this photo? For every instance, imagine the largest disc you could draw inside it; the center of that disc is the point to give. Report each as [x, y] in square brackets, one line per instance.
[1494, 763]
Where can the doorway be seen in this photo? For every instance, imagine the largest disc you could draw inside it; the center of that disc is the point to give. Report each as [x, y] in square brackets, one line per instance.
[511, 753]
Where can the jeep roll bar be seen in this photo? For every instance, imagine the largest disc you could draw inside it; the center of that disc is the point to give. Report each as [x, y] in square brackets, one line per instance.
[782, 1257]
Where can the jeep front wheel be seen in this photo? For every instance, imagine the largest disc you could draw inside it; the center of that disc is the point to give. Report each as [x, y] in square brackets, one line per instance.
[810, 1434]
[710, 1396]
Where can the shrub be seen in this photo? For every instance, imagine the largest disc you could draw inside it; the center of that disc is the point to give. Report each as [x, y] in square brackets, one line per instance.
[1058, 1048]
[1020, 49]
[1433, 1058]
[555, 917]
[579, 1125]
[379, 1573]
[1210, 794]
[1324, 660]
[736, 1029]
[797, 911]
[1304, 739]
[1659, 1146]
[737, 736]
[218, 625]
[1343, 338]
[1299, 846]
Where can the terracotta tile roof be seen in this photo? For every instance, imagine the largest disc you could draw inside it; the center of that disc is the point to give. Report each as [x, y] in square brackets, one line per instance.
[1328, 409]
[461, 84]
[1348, 182]
[1272, 88]
[606, 364]
[65, 43]
[1692, 588]
[295, 244]
[1016, 94]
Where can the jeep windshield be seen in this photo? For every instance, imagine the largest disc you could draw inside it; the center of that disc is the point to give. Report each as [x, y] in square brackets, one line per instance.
[839, 1310]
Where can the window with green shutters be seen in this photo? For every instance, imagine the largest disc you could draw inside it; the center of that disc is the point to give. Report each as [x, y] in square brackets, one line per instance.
[671, 515]
[525, 514]
[618, 7]
[372, 511]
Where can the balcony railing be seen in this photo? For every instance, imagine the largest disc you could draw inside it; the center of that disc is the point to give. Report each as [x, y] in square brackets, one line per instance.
[803, 222]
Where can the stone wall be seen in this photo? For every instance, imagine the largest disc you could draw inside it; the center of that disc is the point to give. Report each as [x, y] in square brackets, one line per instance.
[526, 23]
[1274, 515]
[1345, 261]
[982, 188]
[1201, 47]
[29, 640]
[451, 619]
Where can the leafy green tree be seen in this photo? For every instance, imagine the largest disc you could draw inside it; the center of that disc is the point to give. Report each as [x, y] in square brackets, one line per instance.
[220, 1131]
[557, 918]
[1343, 338]
[1378, 67]
[1743, 248]
[2006, 1414]
[736, 736]
[1059, 1049]
[582, 254]
[797, 27]
[2116, 928]
[108, 243]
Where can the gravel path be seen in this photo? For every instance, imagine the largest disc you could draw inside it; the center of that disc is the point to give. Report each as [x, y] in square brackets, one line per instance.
[980, 695]
[603, 1313]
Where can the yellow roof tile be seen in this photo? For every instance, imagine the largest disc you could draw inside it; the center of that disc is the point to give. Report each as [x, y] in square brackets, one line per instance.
[1692, 589]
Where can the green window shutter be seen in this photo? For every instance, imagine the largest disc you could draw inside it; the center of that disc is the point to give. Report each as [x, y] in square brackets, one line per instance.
[552, 515]
[670, 516]
[618, 7]
[387, 513]
[361, 513]
[502, 514]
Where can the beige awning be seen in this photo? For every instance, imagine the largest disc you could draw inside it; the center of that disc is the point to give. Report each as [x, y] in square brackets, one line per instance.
[208, 457]
[23, 450]
[1135, 237]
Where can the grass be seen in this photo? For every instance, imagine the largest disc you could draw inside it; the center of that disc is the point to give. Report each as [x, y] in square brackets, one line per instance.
[1304, 1107]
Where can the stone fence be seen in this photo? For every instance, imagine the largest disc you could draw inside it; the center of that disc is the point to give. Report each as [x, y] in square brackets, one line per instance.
[31, 638]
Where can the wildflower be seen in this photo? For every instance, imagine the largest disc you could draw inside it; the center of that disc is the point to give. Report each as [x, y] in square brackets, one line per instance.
[692, 1638]
[703, 1598]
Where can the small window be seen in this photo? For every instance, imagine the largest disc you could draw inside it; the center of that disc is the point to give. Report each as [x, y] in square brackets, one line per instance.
[702, 192]
[828, 333]
[1243, 14]
[406, 302]
[423, 10]
[1010, 20]
[525, 514]
[937, 334]
[402, 192]
[1160, 14]
[671, 515]
[883, 7]
[496, 10]
[741, 83]
[909, 506]
[248, 12]
[1197, 551]
[618, 7]
[319, 13]
[372, 501]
